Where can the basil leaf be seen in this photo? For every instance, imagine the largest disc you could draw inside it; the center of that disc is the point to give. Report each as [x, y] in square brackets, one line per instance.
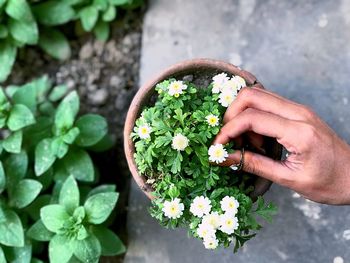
[44, 157]
[16, 166]
[92, 129]
[11, 236]
[54, 43]
[39, 232]
[69, 195]
[58, 92]
[88, 249]
[88, 16]
[59, 147]
[101, 31]
[110, 14]
[52, 13]
[110, 243]
[98, 207]
[19, 254]
[60, 249]
[79, 164]
[19, 9]
[105, 188]
[2, 256]
[20, 117]
[24, 31]
[26, 95]
[13, 143]
[8, 54]
[2, 178]
[24, 193]
[53, 217]
[71, 135]
[66, 112]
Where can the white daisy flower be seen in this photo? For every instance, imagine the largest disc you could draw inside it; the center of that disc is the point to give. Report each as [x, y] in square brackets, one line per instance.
[200, 206]
[218, 82]
[232, 85]
[211, 243]
[226, 98]
[230, 205]
[212, 120]
[217, 153]
[173, 209]
[180, 142]
[176, 88]
[212, 219]
[240, 81]
[205, 231]
[228, 223]
[144, 131]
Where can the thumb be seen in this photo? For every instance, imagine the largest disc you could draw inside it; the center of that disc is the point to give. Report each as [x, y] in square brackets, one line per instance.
[260, 165]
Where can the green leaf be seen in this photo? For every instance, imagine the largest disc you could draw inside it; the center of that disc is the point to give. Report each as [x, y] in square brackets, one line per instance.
[8, 54]
[24, 193]
[54, 217]
[105, 188]
[16, 166]
[20, 116]
[52, 13]
[69, 195]
[110, 243]
[24, 31]
[2, 256]
[44, 157]
[13, 143]
[101, 31]
[11, 236]
[3, 31]
[100, 4]
[110, 14]
[2, 178]
[26, 95]
[106, 143]
[98, 207]
[58, 92]
[87, 250]
[60, 249]
[42, 85]
[265, 211]
[88, 16]
[19, 9]
[79, 164]
[39, 232]
[33, 209]
[92, 129]
[54, 43]
[66, 112]
[119, 2]
[19, 254]
[71, 135]
[59, 147]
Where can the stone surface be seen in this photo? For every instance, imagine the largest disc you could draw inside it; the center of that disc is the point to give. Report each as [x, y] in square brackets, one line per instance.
[297, 48]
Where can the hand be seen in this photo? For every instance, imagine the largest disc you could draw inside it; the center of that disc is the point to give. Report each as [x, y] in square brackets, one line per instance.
[318, 164]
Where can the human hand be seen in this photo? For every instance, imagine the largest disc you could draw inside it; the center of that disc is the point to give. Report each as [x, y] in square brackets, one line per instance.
[318, 164]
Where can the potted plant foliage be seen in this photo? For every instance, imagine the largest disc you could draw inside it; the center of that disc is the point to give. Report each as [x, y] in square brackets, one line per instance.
[169, 130]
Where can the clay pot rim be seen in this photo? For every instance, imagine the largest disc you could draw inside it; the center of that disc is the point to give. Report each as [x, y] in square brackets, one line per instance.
[144, 92]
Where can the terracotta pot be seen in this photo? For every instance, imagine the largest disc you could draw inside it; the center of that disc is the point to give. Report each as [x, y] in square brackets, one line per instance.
[195, 67]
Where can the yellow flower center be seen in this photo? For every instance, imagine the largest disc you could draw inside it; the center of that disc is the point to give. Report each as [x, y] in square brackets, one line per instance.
[231, 205]
[144, 130]
[176, 95]
[218, 153]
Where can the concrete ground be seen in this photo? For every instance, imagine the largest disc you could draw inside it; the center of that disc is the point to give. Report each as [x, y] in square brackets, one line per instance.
[299, 49]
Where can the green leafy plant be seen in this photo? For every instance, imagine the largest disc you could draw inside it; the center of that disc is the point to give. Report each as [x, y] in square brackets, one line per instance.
[43, 155]
[173, 150]
[25, 22]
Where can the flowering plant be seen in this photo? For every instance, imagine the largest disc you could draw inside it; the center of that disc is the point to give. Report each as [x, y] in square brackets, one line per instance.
[173, 150]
